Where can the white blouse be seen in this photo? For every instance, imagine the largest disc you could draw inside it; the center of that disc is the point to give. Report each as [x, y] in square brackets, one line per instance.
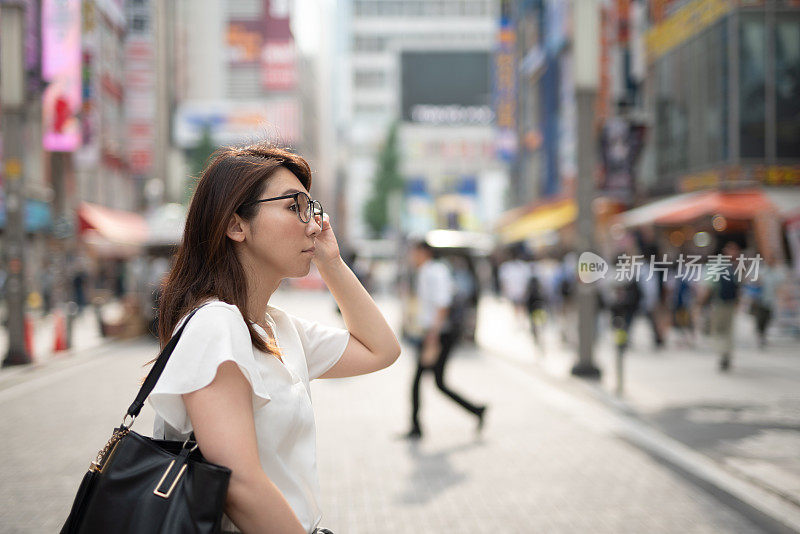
[284, 418]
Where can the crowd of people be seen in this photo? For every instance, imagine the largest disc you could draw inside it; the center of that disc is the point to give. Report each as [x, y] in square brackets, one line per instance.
[675, 307]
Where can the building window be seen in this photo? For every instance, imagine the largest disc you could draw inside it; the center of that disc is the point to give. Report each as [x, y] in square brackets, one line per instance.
[371, 109]
[366, 8]
[138, 24]
[752, 83]
[787, 86]
[369, 43]
[369, 79]
[672, 117]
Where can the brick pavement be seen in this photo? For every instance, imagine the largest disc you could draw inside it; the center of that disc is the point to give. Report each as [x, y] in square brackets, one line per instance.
[747, 420]
[539, 467]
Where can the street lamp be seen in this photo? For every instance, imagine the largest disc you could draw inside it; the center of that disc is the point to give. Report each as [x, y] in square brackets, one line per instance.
[12, 107]
[586, 60]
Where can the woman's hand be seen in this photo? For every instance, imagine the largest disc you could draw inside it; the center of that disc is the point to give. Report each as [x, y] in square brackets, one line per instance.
[326, 246]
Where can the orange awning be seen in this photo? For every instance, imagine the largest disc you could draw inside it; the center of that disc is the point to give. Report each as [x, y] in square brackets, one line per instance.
[111, 232]
[742, 205]
[735, 205]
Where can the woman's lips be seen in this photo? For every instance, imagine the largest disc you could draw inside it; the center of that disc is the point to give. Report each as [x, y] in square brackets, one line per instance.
[310, 250]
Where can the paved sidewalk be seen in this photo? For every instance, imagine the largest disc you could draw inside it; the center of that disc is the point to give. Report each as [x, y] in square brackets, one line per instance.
[548, 461]
[748, 420]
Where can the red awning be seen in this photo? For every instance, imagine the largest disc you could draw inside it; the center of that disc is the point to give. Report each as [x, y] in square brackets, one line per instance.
[742, 205]
[111, 232]
[735, 205]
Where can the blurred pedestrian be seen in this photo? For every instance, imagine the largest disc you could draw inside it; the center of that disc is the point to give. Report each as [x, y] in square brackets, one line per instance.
[536, 306]
[650, 289]
[465, 297]
[565, 288]
[725, 298]
[239, 377]
[514, 274]
[682, 300]
[765, 289]
[434, 290]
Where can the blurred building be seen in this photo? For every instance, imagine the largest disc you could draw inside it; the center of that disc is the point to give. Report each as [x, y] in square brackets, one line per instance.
[695, 97]
[427, 64]
[236, 76]
[724, 93]
[100, 159]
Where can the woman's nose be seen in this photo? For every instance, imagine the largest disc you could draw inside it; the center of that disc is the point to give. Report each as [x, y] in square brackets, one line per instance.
[313, 227]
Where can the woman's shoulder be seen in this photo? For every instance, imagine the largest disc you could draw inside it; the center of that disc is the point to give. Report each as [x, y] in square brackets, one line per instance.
[214, 315]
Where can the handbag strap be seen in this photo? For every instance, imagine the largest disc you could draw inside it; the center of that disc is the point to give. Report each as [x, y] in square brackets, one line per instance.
[158, 368]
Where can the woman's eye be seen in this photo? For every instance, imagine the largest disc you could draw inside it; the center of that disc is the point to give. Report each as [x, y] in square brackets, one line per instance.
[293, 207]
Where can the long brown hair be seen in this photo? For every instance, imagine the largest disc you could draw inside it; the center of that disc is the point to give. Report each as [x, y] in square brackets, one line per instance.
[206, 265]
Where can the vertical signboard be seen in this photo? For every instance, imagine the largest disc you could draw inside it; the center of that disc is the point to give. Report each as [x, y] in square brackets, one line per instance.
[61, 70]
[505, 86]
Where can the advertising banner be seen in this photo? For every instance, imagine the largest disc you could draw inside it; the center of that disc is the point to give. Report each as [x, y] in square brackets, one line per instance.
[61, 70]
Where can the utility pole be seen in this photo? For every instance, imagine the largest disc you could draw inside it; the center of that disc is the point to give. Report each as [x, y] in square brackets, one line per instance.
[586, 60]
[162, 20]
[12, 107]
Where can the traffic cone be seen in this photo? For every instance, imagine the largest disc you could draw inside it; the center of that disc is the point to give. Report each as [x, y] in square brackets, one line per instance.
[60, 342]
[28, 330]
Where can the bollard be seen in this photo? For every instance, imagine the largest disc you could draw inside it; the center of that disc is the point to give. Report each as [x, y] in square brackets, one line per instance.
[72, 313]
[60, 331]
[28, 328]
[621, 341]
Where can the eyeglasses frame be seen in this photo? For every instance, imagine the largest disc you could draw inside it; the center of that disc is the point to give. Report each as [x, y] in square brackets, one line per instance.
[316, 205]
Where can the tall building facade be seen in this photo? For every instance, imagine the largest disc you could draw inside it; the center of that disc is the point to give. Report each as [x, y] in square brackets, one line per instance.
[101, 160]
[244, 91]
[724, 94]
[428, 65]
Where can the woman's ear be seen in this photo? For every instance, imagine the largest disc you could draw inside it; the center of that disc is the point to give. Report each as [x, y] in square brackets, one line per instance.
[236, 228]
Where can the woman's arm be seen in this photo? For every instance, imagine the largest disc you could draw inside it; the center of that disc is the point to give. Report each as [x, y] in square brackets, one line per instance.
[373, 345]
[222, 417]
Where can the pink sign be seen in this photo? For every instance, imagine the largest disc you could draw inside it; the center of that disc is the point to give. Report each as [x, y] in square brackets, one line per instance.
[278, 66]
[61, 70]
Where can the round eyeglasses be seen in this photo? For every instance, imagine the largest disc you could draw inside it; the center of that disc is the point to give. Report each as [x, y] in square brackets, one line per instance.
[303, 205]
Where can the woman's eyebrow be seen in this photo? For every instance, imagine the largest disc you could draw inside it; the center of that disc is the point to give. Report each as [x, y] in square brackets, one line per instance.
[290, 191]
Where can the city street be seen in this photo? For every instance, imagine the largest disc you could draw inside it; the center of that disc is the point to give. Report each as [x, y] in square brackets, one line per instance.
[551, 457]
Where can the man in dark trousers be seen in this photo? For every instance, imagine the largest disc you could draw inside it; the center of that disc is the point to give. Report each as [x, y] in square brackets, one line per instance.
[725, 298]
[434, 290]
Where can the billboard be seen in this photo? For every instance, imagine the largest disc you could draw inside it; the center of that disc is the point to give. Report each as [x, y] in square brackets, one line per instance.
[265, 42]
[61, 70]
[233, 122]
[446, 87]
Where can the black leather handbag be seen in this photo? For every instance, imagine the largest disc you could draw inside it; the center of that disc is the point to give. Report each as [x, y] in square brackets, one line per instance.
[139, 485]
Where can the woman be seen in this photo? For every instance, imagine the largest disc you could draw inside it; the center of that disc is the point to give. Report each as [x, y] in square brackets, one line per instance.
[239, 377]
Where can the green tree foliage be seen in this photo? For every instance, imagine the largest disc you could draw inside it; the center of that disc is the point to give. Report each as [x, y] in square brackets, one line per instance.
[198, 159]
[387, 181]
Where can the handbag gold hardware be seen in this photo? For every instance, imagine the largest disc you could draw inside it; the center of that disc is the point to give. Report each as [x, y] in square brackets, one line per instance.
[104, 456]
[174, 482]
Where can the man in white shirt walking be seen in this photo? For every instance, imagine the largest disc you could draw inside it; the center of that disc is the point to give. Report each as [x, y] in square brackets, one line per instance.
[434, 290]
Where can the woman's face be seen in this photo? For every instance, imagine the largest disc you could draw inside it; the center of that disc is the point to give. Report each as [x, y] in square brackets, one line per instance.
[276, 238]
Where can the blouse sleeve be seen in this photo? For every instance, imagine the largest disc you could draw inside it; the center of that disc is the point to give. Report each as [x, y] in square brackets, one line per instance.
[323, 345]
[215, 334]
